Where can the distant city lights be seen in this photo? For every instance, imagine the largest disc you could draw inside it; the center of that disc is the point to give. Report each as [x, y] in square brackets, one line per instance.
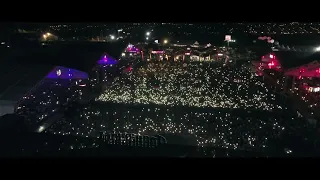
[46, 35]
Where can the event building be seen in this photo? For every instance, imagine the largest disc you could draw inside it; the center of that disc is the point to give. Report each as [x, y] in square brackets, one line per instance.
[300, 65]
[295, 74]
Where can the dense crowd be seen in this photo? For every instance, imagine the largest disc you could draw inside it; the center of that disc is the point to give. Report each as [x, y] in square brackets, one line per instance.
[233, 129]
[192, 84]
[163, 98]
[166, 99]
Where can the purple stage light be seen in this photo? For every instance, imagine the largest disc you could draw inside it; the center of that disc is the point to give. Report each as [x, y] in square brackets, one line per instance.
[107, 60]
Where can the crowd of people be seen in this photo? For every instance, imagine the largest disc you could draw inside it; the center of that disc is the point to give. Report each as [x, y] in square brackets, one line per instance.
[192, 84]
[218, 106]
[235, 129]
[311, 99]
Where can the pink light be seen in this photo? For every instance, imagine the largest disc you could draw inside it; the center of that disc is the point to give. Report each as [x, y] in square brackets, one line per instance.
[187, 53]
[82, 85]
[227, 37]
[271, 64]
[157, 52]
[105, 58]
[271, 56]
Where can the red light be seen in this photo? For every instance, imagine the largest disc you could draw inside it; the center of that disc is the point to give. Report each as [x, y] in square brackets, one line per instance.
[129, 69]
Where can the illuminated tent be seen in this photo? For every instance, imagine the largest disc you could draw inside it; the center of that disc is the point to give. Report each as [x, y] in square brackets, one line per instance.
[308, 70]
[106, 59]
[60, 72]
